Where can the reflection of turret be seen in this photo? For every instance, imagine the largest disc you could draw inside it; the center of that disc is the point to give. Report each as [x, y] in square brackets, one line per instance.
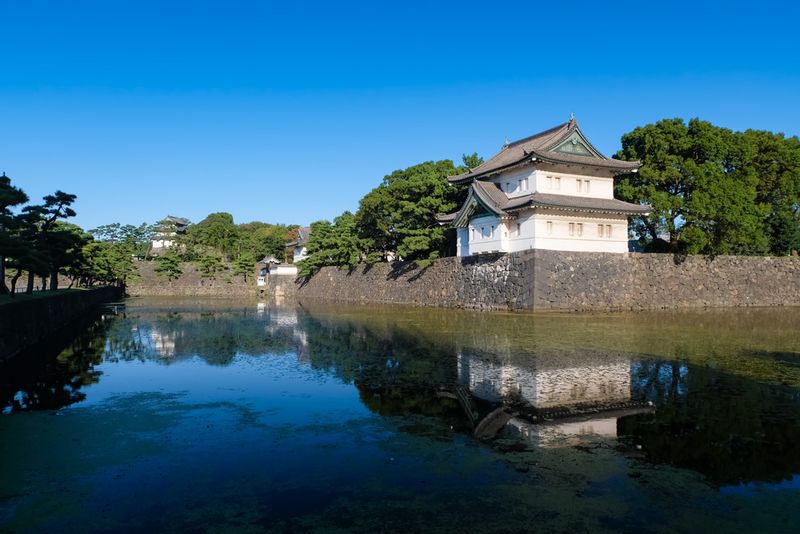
[546, 382]
[162, 342]
[554, 396]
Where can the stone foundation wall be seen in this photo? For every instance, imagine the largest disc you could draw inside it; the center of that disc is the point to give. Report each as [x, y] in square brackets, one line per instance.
[26, 322]
[191, 283]
[552, 280]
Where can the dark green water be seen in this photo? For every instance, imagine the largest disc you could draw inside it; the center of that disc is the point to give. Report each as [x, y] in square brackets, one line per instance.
[211, 415]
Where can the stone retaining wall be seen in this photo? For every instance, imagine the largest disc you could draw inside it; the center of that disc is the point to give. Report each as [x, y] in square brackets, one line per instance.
[26, 322]
[191, 283]
[552, 280]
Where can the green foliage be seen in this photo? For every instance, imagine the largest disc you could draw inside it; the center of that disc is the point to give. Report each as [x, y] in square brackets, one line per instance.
[136, 238]
[399, 216]
[245, 264]
[168, 265]
[703, 185]
[331, 244]
[472, 160]
[260, 239]
[11, 244]
[397, 219]
[216, 232]
[209, 264]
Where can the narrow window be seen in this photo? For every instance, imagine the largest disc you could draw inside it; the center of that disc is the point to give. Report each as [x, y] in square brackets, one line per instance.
[519, 229]
[579, 183]
[549, 227]
[586, 186]
[508, 187]
[608, 230]
[571, 228]
[580, 229]
[549, 182]
[483, 232]
[558, 182]
[599, 230]
[473, 234]
[492, 234]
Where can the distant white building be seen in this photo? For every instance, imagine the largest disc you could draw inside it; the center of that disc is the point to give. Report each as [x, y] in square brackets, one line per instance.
[165, 235]
[552, 190]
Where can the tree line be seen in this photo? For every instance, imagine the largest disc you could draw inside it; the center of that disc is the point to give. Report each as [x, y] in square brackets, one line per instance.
[713, 191]
[218, 245]
[38, 243]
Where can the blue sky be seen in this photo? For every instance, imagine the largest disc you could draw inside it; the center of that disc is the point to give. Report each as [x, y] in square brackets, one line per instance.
[290, 112]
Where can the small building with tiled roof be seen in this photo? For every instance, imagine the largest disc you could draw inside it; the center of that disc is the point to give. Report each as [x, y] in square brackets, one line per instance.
[552, 190]
[296, 248]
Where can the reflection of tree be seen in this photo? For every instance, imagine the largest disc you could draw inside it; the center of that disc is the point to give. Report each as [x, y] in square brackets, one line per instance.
[214, 336]
[395, 373]
[730, 429]
[51, 375]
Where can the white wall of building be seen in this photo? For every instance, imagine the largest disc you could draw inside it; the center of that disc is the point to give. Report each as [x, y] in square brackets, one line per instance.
[577, 185]
[462, 241]
[564, 230]
[300, 253]
[485, 235]
[516, 182]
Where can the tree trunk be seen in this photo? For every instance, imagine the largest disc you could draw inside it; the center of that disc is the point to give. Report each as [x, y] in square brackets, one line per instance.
[31, 277]
[54, 280]
[14, 282]
[3, 287]
[44, 282]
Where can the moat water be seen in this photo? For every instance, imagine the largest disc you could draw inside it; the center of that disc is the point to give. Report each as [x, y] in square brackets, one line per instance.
[216, 415]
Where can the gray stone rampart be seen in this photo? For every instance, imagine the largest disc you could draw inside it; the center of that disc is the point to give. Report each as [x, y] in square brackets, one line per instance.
[552, 280]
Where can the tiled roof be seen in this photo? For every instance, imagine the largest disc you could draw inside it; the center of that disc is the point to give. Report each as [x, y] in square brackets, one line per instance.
[541, 146]
[301, 238]
[500, 204]
[607, 205]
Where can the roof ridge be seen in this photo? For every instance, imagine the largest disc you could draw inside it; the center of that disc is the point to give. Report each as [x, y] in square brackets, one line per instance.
[540, 134]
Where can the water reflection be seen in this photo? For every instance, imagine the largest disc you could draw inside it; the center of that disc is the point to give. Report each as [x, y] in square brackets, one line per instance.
[482, 374]
[52, 374]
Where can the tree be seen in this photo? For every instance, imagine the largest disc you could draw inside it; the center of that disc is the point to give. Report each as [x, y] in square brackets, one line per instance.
[168, 265]
[399, 216]
[245, 264]
[703, 192]
[775, 160]
[263, 239]
[331, 244]
[217, 231]
[472, 160]
[10, 244]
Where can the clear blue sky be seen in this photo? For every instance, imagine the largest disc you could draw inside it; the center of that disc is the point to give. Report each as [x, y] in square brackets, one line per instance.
[290, 112]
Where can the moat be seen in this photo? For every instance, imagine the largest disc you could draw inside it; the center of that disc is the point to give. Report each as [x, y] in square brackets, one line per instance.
[180, 414]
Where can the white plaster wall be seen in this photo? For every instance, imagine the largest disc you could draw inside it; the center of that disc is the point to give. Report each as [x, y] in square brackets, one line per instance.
[521, 237]
[484, 241]
[559, 238]
[567, 184]
[462, 241]
[510, 182]
[299, 253]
